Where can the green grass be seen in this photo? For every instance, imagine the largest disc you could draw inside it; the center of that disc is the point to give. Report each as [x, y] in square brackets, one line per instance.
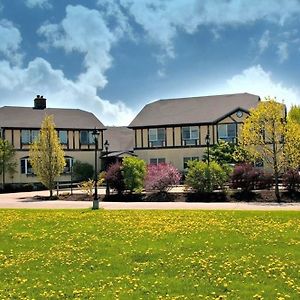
[149, 254]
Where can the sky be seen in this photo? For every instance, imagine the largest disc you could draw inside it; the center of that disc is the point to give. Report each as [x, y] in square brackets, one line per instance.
[112, 57]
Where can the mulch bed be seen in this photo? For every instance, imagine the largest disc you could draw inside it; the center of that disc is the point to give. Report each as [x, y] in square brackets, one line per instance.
[231, 196]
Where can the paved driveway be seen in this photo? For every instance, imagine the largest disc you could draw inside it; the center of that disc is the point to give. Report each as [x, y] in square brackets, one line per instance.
[27, 200]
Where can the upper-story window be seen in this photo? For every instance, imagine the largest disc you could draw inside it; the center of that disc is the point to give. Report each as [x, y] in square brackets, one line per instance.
[63, 136]
[157, 137]
[29, 136]
[190, 135]
[227, 132]
[86, 137]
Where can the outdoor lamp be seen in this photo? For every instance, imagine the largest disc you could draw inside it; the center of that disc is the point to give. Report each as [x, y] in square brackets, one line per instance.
[95, 134]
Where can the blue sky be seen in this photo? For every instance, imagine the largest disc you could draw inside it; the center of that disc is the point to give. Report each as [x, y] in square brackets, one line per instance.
[111, 57]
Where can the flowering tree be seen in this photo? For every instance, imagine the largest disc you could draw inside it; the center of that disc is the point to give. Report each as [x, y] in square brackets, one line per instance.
[161, 177]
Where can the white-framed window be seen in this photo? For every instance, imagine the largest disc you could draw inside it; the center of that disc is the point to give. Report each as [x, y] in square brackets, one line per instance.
[186, 159]
[190, 135]
[26, 167]
[157, 137]
[69, 164]
[63, 136]
[156, 161]
[227, 132]
[28, 136]
[86, 137]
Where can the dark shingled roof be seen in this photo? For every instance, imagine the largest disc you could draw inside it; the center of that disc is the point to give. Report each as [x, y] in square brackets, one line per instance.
[28, 117]
[119, 138]
[192, 110]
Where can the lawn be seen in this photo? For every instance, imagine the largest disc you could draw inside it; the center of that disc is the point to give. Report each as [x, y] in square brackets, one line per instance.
[149, 254]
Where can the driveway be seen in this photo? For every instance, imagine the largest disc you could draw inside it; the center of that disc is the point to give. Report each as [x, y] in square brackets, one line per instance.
[27, 200]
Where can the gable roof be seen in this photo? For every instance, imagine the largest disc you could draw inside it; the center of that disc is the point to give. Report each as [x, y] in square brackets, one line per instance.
[193, 110]
[120, 139]
[28, 117]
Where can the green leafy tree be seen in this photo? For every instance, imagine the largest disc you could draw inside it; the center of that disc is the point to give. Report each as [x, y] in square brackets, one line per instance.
[294, 114]
[7, 160]
[134, 171]
[222, 153]
[82, 171]
[46, 155]
[205, 178]
[267, 136]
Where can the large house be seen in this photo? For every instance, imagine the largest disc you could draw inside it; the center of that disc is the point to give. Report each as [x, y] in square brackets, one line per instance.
[178, 130]
[21, 125]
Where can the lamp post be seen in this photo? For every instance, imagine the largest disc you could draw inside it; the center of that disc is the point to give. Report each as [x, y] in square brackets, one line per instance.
[207, 139]
[106, 145]
[95, 134]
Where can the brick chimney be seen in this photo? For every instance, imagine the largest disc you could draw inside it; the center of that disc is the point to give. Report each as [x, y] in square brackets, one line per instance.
[39, 102]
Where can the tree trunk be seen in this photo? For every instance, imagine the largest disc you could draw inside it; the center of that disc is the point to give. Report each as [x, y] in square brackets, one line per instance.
[51, 193]
[277, 193]
[276, 173]
[3, 177]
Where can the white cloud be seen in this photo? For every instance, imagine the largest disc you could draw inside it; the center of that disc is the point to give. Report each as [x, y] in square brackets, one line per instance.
[282, 52]
[83, 30]
[38, 3]
[10, 41]
[257, 81]
[162, 20]
[20, 85]
[264, 41]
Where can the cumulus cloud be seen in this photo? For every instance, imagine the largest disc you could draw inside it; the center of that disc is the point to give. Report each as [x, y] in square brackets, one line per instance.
[162, 20]
[82, 30]
[22, 84]
[10, 41]
[260, 82]
[38, 3]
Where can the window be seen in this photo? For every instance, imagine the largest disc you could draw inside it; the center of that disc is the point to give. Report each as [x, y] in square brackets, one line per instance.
[190, 135]
[86, 137]
[157, 137]
[156, 161]
[227, 132]
[26, 167]
[69, 163]
[29, 136]
[63, 136]
[186, 159]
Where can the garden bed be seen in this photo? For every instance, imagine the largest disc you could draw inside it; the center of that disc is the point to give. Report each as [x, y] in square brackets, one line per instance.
[231, 196]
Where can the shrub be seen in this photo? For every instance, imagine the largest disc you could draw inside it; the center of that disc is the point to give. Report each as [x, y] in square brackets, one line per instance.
[134, 170]
[247, 177]
[291, 180]
[115, 177]
[82, 171]
[161, 177]
[205, 178]
[87, 187]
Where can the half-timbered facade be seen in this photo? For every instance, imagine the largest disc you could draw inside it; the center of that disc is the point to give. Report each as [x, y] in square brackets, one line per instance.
[177, 130]
[21, 125]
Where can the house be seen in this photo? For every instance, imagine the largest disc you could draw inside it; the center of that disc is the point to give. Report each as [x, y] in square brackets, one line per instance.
[178, 130]
[21, 125]
[119, 141]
